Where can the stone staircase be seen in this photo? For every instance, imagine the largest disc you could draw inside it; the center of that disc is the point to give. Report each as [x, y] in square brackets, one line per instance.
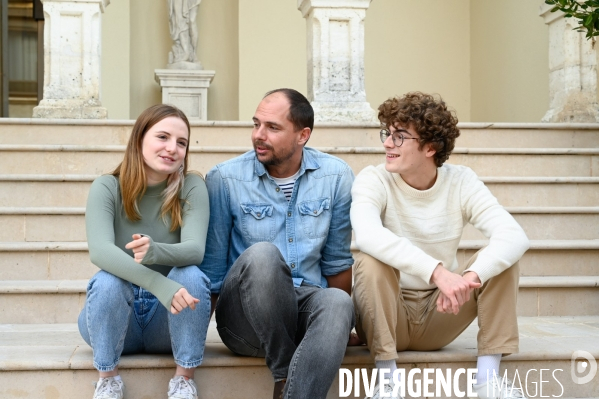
[546, 175]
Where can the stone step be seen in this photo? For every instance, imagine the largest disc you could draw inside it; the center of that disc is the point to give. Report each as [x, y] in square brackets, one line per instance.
[53, 359]
[551, 224]
[70, 190]
[46, 261]
[113, 132]
[60, 301]
[70, 260]
[80, 159]
[68, 224]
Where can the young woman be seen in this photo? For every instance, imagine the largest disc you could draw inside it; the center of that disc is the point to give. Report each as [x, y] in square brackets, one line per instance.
[146, 229]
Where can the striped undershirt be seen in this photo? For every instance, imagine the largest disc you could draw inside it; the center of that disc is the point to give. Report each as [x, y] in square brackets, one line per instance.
[286, 184]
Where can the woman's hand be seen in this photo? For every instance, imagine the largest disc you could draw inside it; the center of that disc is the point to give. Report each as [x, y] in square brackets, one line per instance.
[181, 300]
[140, 246]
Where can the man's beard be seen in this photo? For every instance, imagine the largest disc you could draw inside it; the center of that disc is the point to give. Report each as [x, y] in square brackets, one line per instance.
[273, 160]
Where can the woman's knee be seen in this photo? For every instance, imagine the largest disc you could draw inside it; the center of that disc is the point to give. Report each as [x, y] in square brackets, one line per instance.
[192, 278]
[107, 286]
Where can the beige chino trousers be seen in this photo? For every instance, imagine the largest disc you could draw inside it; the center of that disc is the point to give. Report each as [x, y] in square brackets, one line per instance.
[390, 319]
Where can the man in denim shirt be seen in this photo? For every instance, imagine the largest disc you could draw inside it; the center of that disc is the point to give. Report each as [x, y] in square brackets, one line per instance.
[279, 235]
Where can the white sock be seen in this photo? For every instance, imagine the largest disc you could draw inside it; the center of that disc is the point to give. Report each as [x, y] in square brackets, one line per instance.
[117, 377]
[486, 366]
[386, 364]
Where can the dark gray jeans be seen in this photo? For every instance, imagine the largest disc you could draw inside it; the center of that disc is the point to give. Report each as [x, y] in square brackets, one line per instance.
[301, 331]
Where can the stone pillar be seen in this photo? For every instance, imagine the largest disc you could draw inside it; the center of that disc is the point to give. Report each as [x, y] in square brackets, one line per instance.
[336, 59]
[572, 71]
[72, 54]
[186, 89]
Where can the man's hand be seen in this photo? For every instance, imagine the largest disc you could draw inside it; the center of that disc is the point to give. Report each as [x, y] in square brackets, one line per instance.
[354, 340]
[181, 300]
[455, 289]
[140, 246]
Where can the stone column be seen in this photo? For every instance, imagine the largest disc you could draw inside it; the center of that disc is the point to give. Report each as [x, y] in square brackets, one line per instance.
[336, 59]
[72, 54]
[572, 71]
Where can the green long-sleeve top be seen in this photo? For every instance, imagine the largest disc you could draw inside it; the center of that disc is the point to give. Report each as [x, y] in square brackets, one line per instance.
[109, 230]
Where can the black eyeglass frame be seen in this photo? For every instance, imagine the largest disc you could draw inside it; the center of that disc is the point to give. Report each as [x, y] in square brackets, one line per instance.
[384, 133]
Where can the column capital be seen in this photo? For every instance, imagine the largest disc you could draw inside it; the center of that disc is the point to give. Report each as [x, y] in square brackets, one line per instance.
[102, 3]
[547, 15]
[306, 6]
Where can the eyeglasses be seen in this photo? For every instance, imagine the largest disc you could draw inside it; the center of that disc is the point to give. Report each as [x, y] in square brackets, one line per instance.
[397, 137]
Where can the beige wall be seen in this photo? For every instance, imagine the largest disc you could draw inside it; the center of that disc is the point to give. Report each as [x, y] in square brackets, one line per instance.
[272, 50]
[419, 45]
[510, 72]
[116, 40]
[150, 44]
[218, 50]
[488, 59]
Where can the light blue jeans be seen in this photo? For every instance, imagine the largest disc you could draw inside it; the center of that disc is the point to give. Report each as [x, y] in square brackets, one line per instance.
[122, 318]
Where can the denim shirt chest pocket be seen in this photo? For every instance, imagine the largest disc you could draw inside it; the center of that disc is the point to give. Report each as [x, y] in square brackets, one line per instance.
[257, 222]
[316, 217]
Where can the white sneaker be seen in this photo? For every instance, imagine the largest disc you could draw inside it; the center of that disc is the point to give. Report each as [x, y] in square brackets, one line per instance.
[498, 389]
[181, 387]
[109, 388]
[387, 389]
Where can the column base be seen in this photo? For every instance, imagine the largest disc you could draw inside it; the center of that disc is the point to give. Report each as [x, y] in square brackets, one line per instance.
[66, 112]
[357, 112]
[573, 112]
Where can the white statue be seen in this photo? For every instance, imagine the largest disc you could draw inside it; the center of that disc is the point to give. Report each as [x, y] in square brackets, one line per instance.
[184, 32]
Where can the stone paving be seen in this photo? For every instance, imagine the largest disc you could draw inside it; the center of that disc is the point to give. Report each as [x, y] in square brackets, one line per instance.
[541, 338]
[545, 343]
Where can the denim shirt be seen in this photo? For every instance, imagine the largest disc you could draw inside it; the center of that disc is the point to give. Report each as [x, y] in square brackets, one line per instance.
[312, 230]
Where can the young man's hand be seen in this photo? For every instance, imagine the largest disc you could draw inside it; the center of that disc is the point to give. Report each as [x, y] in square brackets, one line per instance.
[455, 289]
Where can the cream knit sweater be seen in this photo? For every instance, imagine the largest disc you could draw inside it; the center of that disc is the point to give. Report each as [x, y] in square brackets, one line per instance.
[414, 230]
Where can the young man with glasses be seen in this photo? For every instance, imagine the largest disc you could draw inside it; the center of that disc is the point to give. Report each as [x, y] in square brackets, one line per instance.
[278, 242]
[408, 215]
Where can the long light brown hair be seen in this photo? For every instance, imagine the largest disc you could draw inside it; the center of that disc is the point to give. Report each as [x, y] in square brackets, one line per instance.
[132, 174]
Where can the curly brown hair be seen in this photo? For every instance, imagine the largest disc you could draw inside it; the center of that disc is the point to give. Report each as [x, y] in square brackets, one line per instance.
[428, 116]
